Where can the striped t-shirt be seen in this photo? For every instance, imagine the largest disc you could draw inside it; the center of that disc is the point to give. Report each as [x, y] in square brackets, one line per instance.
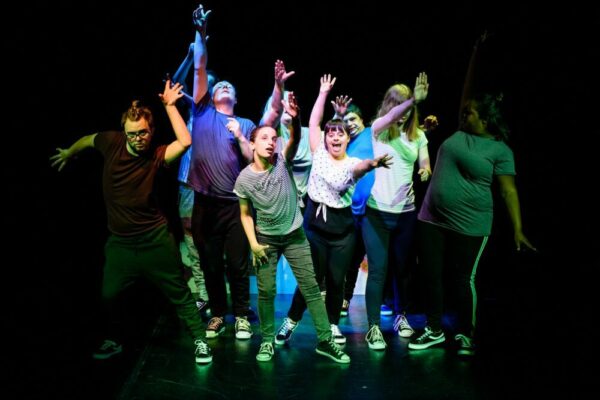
[273, 195]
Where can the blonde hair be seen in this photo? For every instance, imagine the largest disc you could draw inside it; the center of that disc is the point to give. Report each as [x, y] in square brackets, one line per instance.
[395, 95]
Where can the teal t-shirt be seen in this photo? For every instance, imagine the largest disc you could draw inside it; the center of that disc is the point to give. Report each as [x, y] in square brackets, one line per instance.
[459, 196]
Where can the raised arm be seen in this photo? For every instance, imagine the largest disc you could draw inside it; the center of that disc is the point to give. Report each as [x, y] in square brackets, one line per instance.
[316, 115]
[273, 113]
[60, 159]
[259, 257]
[508, 190]
[182, 72]
[200, 54]
[183, 139]
[397, 112]
[469, 84]
[291, 107]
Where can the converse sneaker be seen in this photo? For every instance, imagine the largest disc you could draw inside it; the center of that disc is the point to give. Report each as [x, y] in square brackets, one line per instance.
[285, 331]
[402, 326]
[243, 330]
[385, 310]
[215, 327]
[202, 305]
[328, 348]
[466, 347]
[203, 353]
[427, 339]
[337, 334]
[266, 351]
[345, 307]
[107, 350]
[375, 338]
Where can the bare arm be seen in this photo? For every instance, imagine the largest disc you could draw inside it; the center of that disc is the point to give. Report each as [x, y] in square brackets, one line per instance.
[420, 93]
[291, 107]
[200, 54]
[259, 256]
[272, 115]
[368, 165]
[469, 84]
[183, 138]
[508, 190]
[60, 159]
[233, 125]
[316, 115]
[424, 164]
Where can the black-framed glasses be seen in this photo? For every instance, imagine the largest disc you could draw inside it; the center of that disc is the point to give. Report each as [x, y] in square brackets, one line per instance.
[142, 134]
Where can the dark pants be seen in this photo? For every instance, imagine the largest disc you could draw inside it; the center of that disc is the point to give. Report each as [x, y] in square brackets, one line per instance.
[331, 255]
[444, 251]
[357, 259]
[387, 237]
[155, 256]
[220, 239]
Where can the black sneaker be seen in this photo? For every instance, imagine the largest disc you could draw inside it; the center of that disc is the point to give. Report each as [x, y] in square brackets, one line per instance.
[466, 347]
[328, 348]
[202, 305]
[285, 331]
[107, 350]
[216, 326]
[427, 339]
[203, 353]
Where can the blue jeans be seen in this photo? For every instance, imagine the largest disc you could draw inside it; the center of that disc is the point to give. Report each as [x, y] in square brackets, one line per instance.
[296, 250]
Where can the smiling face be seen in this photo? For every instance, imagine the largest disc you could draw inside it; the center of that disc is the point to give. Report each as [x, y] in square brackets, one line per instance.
[336, 141]
[264, 142]
[354, 123]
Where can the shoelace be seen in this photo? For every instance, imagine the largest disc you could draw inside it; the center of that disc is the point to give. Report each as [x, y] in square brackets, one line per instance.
[242, 324]
[214, 323]
[287, 326]
[401, 323]
[108, 344]
[336, 349]
[266, 348]
[464, 341]
[428, 332]
[201, 347]
[374, 334]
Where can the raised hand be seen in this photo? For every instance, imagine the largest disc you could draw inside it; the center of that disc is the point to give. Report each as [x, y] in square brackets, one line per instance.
[421, 87]
[291, 105]
[327, 83]
[281, 75]
[233, 126]
[340, 105]
[199, 17]
[171, 94]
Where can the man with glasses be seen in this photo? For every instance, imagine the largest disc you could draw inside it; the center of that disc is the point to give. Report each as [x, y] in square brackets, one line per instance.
[140, 244]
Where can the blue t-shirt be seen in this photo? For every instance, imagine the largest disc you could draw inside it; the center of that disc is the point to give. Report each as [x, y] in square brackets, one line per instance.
[216, 158]
[361, 146]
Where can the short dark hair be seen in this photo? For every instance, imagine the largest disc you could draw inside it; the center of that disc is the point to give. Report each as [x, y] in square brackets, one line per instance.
[136, 112]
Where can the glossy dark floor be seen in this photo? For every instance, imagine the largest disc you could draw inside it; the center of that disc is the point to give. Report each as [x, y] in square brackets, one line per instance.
[158, 363]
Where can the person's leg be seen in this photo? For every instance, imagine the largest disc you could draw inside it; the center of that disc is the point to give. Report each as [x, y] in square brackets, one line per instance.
[340, 252]
[400, 242]
[267, 288]
[465, 252]
[207, 229]
[237, 253]
[191, 259]
[297, 252]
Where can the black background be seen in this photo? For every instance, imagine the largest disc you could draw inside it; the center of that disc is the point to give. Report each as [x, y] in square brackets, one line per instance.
[74, 67]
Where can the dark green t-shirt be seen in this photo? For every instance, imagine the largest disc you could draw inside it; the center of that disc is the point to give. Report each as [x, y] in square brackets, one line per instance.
[459, 196]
